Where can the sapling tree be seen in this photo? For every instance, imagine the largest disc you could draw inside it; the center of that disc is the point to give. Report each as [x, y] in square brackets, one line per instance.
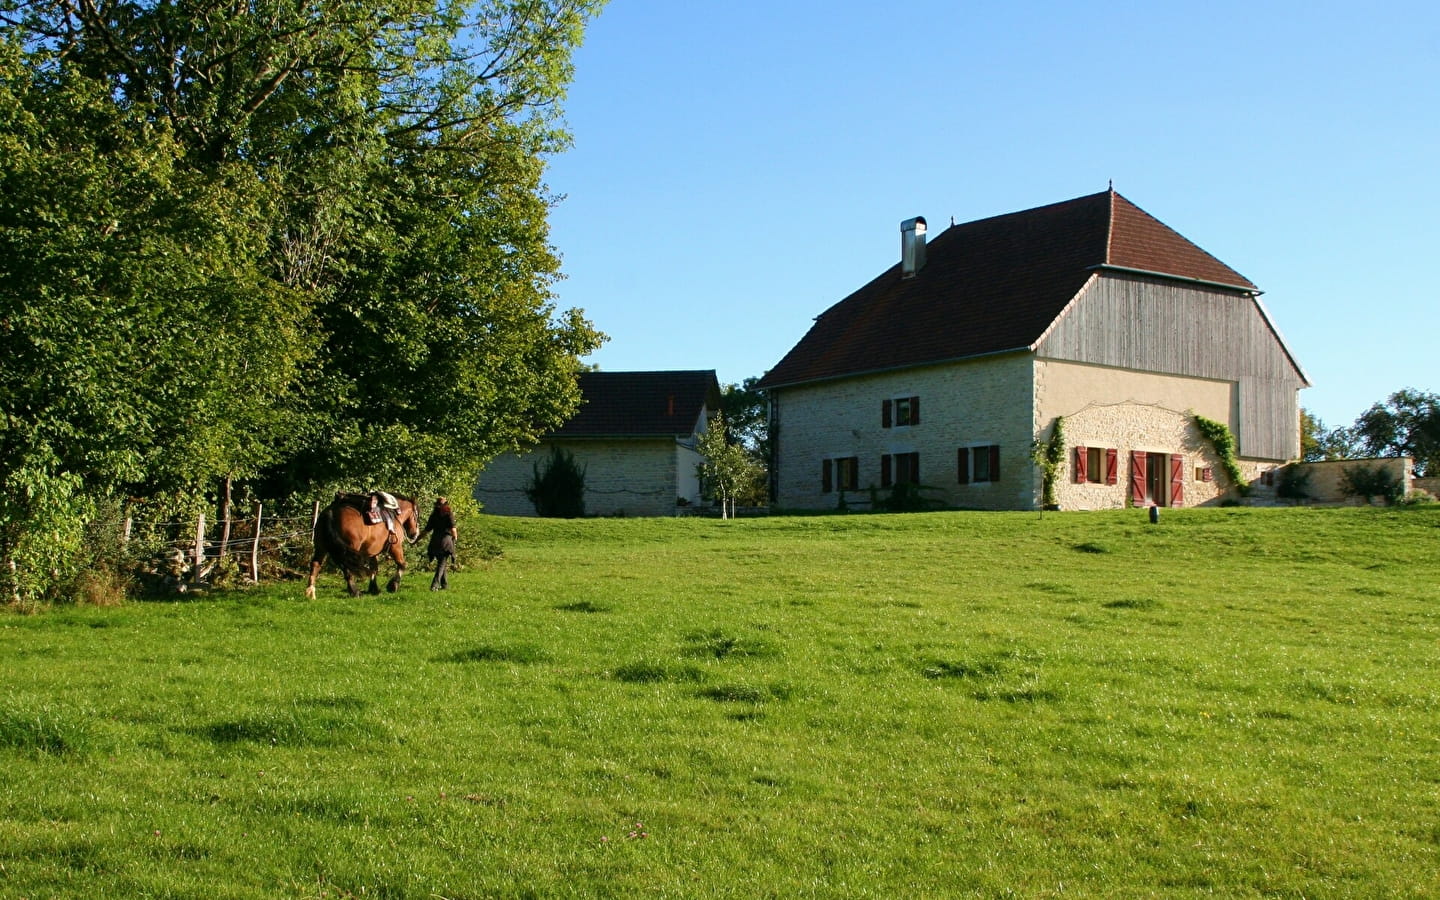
[725, 467]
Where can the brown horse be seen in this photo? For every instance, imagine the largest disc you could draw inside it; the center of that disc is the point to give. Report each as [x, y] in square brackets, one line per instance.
[343, 533]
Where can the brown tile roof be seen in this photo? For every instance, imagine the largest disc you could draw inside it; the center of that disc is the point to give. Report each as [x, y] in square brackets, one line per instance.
[991, 286]
[641, 404]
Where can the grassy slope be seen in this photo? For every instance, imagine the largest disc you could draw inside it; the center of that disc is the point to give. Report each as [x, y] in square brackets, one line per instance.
[1235, 701]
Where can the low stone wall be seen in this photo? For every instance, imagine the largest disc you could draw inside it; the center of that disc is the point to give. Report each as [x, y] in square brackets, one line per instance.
[1326, 478]
[1430, 486]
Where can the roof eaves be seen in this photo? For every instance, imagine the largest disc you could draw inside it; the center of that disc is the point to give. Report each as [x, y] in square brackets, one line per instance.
[1243, 288]
[881, 371]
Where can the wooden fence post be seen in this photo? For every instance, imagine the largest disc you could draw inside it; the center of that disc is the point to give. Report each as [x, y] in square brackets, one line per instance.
[199, 549]
[314, 521]
[225, 518]
[255, 547]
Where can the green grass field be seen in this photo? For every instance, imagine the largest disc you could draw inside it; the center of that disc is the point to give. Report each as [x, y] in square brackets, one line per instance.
[1235, 702]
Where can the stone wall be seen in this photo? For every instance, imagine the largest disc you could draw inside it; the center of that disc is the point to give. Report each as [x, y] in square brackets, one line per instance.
[635, 477]
[1326, 478]
[1126, 427]
[978, 403]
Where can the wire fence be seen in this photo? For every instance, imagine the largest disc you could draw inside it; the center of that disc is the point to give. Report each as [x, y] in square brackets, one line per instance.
[180, 553]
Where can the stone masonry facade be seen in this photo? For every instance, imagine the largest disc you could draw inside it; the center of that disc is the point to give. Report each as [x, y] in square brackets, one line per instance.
[1003, 401]
[974, 405]
[623, 477]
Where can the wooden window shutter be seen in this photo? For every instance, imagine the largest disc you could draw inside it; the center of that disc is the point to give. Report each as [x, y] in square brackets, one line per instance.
[914, 410]
[994, 462]
[1177, 480]
[885, 413]
[915, 468]
[1137, 476]
[962, 464]
[827, 483]
[1112, 466]
[885, 470]
[1080, 470]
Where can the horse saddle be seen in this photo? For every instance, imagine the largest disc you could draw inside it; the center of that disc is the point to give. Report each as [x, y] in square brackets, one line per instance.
[375, 507]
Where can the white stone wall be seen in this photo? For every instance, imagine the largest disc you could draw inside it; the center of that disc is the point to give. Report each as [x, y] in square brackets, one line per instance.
[637, 477]
[979, 402]
[1127, 410]
[1326, 478]
[1131, 426]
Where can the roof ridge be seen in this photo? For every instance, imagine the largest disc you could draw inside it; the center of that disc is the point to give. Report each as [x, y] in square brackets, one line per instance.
[1110, 225]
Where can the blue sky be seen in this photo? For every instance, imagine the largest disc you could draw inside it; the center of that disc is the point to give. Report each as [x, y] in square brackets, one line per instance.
[739, 167]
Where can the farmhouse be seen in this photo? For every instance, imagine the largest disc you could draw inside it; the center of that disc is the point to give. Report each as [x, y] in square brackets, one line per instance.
[945, 369]
[635, 436]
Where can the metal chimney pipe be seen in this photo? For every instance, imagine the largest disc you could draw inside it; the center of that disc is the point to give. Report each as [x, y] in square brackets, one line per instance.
[912, 246]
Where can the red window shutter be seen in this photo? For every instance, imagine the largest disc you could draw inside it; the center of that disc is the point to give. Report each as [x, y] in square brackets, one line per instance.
[962, 464]
[826, 476]
[1177, 480]
[885, 413]
[994, 462]
[915, 411]
[885, 470]
[1137, 476]
[1112, 466]
[1081, 468]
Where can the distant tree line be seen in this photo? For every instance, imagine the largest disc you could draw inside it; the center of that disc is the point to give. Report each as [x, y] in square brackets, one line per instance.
[1405, 424]
[278, 245]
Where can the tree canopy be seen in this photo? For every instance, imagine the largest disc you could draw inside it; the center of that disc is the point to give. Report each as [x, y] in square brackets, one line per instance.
[298, 244]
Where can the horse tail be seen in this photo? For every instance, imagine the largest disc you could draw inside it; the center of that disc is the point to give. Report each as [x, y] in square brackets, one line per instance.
[333, 543]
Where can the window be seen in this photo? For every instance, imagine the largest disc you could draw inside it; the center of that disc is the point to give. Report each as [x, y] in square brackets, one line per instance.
[978, 464]
[1096, 465]
[840, 474]
[1204, 473]
[900, 412]
[899, 468]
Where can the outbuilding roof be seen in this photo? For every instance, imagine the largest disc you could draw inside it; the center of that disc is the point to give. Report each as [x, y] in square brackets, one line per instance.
[992, 286]
[642, 404]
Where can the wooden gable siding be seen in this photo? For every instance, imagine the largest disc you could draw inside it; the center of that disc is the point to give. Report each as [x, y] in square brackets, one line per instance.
[1181, 329]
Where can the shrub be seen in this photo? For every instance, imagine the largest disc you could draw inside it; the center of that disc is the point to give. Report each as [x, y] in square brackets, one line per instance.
[1369, 482]
[1294, 483]
[558, 489]
[908, 497]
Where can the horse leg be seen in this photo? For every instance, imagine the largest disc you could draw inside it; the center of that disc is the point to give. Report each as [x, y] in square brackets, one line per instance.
[351, 584]
[398, 555]
[315, 562]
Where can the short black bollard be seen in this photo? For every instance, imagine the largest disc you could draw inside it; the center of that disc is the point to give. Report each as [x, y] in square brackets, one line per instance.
[1154, 515]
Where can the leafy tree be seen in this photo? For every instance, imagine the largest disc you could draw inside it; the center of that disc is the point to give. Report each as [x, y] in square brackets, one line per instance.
[1319, 443]
[303, 244]
[746, 413]
[1406, 424]
[747, 416]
